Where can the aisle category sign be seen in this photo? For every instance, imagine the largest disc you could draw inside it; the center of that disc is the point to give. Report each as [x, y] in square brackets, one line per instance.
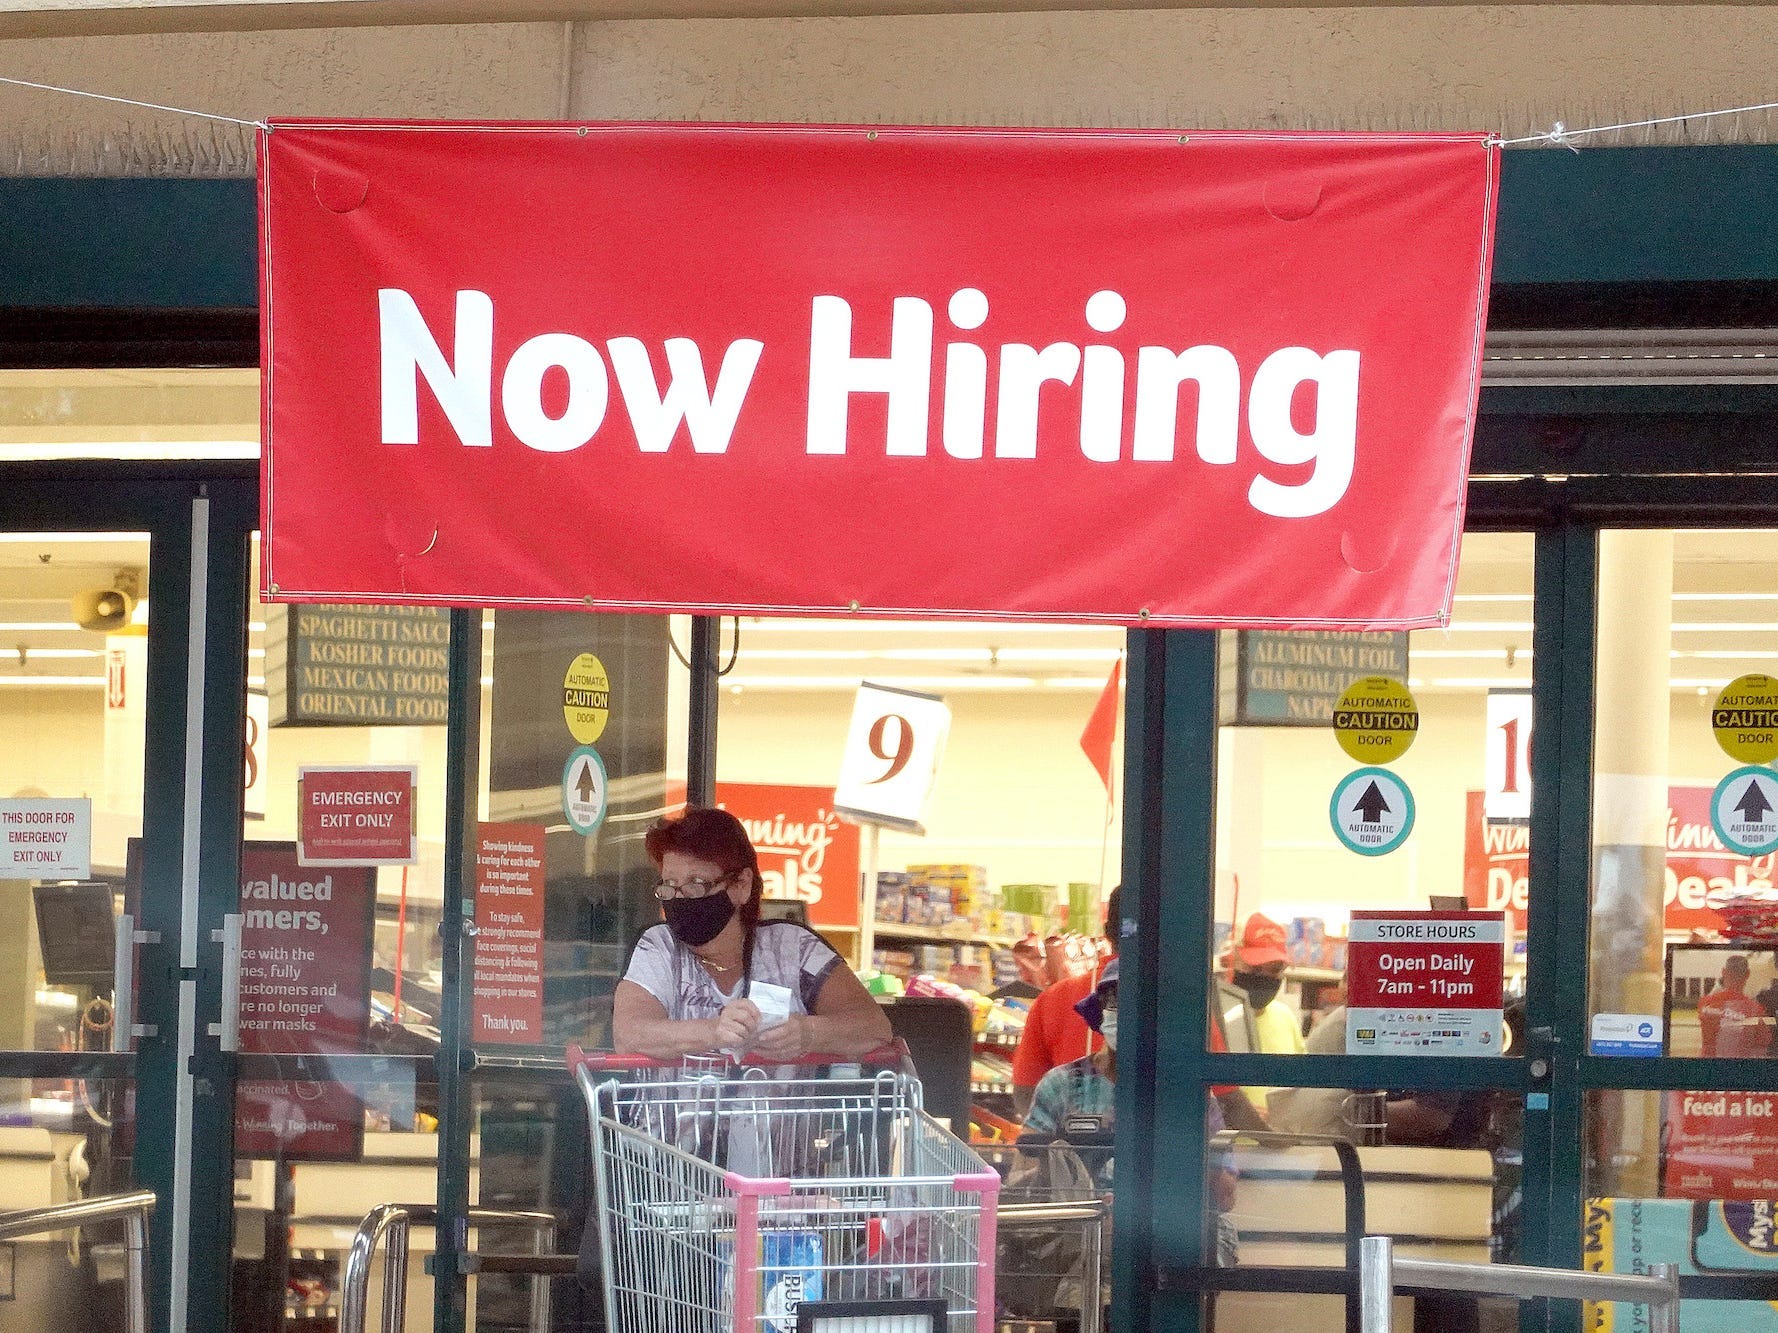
[467, 404]
[1425, 983]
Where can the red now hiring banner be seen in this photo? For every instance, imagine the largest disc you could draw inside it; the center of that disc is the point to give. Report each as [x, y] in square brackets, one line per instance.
[1096, 376]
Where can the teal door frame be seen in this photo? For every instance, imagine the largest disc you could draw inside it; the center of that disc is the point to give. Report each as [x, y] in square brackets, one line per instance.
[183, 1094]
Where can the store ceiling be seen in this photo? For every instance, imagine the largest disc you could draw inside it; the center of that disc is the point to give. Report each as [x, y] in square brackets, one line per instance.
[1725, 610]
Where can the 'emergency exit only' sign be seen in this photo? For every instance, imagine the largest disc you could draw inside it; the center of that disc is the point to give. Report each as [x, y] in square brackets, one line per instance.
[46, 839]
[1425, 983]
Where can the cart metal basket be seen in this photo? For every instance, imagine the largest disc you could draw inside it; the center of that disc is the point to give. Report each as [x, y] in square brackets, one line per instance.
[731, 1197]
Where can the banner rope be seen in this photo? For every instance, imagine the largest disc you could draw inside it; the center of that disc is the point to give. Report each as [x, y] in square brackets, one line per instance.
[130, 101]
[1558, 135]
[1562, 137]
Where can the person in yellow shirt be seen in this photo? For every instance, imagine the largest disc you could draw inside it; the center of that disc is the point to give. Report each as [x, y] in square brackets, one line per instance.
[1259, 970]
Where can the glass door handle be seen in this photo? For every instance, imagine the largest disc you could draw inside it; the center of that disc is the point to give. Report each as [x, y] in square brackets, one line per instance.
[228, 1031]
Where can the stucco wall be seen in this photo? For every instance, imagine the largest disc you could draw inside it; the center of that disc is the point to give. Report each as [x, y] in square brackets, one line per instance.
[1513, 68]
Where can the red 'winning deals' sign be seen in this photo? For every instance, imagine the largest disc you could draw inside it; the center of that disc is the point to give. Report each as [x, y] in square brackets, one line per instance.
[806, 854]
[940, 372]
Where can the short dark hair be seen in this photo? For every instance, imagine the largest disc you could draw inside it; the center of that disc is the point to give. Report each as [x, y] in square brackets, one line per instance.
[1113, 916]
[710, 835]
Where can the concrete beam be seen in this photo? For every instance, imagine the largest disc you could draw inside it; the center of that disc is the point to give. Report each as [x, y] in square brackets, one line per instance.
[67, 18]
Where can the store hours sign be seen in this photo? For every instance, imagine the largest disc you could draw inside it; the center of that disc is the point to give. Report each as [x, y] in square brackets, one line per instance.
[1425, 983]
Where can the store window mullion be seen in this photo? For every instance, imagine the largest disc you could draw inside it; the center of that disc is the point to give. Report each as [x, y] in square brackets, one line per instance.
[1559, 871]
[456, 1094]
[701, 725]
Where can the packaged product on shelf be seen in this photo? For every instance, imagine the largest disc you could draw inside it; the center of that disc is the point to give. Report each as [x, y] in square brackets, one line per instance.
[1304, 939]
[1083, 909]
[892, 896]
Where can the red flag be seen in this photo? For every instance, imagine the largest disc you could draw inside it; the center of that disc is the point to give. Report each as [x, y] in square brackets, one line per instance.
[1102, 726]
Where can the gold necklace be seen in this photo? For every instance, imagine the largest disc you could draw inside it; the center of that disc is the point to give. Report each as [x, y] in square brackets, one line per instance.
[715, 966]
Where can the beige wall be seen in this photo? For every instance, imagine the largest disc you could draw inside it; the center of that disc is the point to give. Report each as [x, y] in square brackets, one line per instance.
[1512, 68]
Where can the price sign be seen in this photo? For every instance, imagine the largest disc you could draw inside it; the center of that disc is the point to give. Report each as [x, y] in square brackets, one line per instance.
[893, 748]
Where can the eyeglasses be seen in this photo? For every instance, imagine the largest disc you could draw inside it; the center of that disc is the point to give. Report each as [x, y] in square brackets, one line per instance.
[669, 889]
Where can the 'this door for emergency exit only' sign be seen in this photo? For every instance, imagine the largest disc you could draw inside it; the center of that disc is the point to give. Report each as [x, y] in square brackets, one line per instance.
[46, 839]
[1425, 983]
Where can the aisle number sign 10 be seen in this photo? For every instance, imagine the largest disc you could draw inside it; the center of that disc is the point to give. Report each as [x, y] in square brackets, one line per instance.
[894, 745]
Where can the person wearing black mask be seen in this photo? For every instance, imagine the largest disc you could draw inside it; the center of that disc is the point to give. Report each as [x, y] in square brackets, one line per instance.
[714, 977]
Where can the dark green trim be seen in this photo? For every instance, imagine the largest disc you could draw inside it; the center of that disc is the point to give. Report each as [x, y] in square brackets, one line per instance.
[456, 1100]
[1680, 1074]
[1631, 216]
[62, 1064]
[231, 521]
[1560, 868]
[128, 242]
[1637, 215]
[1139, 955]
[700, 732]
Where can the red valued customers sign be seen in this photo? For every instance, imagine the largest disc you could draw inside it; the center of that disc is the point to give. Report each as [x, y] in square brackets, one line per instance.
[1120, 376]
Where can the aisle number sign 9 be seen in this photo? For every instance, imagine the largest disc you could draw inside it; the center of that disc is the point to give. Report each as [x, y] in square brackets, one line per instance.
[1745, 719]
[894, 745]
[1376, 720]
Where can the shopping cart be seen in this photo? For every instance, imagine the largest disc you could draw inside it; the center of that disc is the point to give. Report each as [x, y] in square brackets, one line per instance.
[731, 1197]
[1054, 1210]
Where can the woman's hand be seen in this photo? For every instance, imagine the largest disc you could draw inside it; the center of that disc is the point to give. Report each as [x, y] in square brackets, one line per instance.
[735, 1026]
[789, 1040]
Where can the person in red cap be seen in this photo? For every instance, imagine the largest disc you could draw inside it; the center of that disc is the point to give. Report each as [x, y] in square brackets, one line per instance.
[1259, 970]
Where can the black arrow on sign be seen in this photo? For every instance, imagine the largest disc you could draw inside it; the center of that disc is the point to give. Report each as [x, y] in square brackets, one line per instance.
[1753, 804]
[586, 784]
[1371, 806]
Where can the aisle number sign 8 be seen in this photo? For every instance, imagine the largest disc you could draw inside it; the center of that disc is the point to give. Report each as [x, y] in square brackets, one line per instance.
[1376, 720]
[893, 748]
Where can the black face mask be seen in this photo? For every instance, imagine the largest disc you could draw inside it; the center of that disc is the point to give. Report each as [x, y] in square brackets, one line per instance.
[697, 921]
[1261, 987]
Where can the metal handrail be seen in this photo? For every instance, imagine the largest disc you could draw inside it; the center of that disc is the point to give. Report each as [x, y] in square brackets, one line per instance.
[132, 1207]
[391, 1221]
[1380, 1273]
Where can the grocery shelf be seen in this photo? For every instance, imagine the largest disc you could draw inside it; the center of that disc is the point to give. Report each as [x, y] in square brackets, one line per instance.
[939, 935]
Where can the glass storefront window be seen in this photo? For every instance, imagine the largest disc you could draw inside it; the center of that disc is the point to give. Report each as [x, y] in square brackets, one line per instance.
[1295, 855]
[1678, 913]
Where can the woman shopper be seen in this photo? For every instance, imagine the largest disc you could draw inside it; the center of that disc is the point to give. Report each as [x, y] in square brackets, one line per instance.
[714, 977]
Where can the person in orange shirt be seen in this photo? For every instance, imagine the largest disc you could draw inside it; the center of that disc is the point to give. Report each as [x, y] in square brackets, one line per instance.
[1730, 1021]
[1055, 1034]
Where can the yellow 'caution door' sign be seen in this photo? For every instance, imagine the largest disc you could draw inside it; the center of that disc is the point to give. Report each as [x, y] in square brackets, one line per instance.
[1376, 720]
[1745, 718]
[586, 698]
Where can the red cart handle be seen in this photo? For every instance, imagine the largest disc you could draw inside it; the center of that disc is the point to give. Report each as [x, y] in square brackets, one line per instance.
[893, 1056]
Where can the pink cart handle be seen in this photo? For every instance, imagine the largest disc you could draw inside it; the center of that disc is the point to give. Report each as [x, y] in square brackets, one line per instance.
[892, 1056]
